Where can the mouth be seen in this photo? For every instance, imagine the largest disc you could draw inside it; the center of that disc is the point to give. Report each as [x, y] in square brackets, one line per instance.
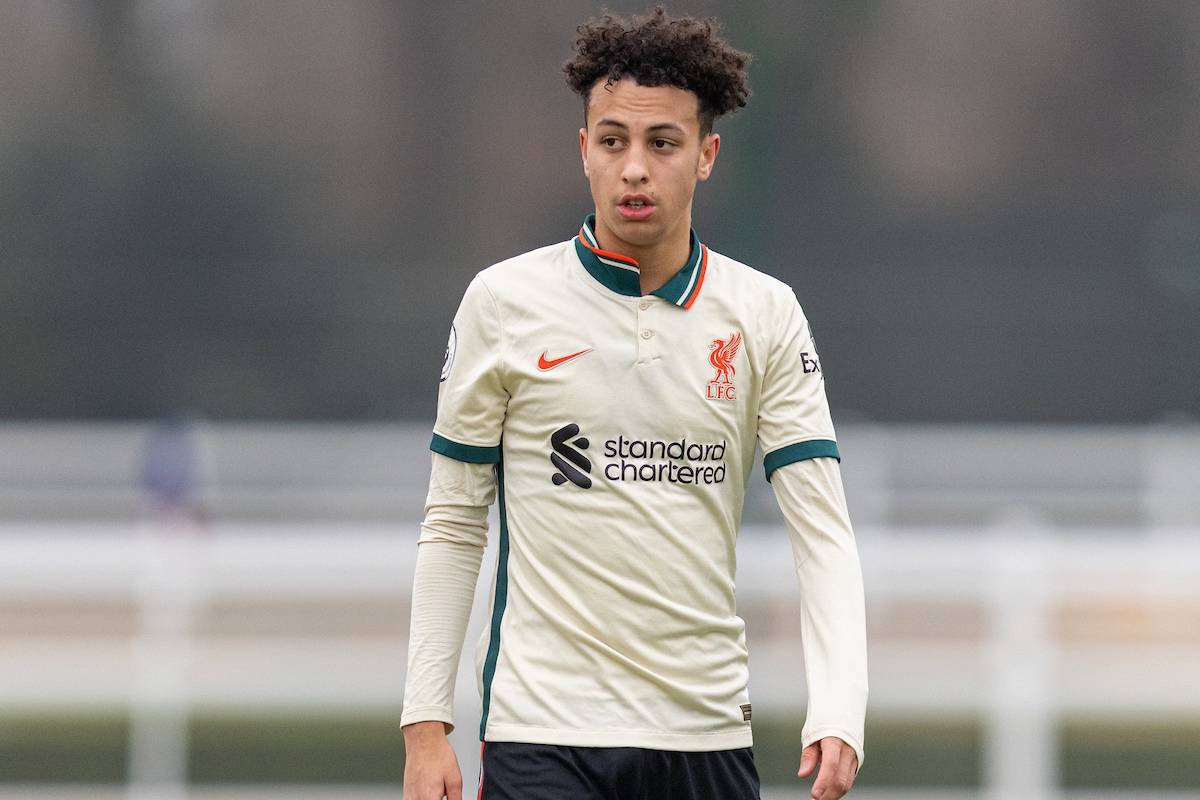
[636, 207]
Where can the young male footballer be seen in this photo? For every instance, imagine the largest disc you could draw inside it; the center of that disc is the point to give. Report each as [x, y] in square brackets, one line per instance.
[608, 393]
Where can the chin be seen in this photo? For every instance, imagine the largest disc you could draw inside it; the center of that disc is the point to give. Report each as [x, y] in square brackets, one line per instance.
[639, 233]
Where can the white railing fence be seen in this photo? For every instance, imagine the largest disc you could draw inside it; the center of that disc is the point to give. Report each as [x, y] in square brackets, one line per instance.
[1037, 650]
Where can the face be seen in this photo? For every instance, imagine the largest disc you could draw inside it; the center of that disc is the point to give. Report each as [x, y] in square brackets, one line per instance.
[642, 154]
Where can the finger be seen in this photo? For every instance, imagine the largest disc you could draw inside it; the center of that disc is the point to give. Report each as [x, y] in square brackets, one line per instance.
[433, 787]
[808, 760]
[827, 785]
[454, 786]
[847, 768]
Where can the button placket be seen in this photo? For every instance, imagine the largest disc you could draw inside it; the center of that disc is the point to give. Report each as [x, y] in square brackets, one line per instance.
[645, 332]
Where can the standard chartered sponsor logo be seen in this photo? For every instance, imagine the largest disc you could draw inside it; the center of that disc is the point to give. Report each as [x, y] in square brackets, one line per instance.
[678, 461]
[572, 465]
[641, 460]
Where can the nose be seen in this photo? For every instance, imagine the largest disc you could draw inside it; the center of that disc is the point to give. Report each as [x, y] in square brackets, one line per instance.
[634, 170]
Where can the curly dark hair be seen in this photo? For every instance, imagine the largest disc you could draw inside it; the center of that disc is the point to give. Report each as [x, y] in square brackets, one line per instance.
[658, 50]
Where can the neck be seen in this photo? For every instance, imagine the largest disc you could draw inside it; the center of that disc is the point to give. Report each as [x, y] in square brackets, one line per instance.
[658, 261]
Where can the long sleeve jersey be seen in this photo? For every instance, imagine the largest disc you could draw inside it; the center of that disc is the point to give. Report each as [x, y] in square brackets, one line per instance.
[616, 432]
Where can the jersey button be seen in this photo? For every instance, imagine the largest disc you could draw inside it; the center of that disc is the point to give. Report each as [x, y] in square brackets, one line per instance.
[644, 305]
[646, 334]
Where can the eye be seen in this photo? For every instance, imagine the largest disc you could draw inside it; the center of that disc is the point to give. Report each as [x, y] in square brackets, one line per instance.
[663, 144]
[610, 142]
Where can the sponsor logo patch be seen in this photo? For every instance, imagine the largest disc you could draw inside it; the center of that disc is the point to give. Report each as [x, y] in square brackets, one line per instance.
[571, 464]
[809, 359]
[636, 460]
[448, 361]
[810, 362]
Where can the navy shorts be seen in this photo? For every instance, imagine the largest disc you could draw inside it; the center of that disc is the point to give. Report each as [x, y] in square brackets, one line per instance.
[517, 771]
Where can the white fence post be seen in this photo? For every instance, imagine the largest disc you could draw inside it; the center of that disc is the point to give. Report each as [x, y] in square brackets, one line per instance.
[159, 692]
[1020, 749]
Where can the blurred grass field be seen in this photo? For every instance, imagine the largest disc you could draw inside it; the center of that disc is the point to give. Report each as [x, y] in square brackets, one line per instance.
[941, 753]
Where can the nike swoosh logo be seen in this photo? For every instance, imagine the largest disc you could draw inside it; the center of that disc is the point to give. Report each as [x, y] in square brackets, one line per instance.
[543, 364]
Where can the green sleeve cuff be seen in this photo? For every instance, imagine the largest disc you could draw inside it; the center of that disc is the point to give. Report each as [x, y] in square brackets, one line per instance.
[801, 451]
[465, 452]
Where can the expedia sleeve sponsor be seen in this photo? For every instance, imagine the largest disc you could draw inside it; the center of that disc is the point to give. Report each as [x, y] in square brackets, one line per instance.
[793, 407]
[679, 461]
[472, 398]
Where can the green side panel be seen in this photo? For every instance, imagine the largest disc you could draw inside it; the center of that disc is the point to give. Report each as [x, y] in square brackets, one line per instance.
[501, 600]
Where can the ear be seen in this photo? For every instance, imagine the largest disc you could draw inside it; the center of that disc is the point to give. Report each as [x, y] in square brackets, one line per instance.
[708, 155]
[583, 150]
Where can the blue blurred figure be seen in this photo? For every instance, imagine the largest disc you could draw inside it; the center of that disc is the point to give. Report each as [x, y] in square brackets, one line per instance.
[168, 469]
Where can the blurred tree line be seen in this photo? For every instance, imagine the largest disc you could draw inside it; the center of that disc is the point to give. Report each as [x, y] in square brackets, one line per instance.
[990, 212]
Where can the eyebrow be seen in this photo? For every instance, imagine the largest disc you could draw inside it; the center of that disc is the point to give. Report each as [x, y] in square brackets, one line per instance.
[670, 126]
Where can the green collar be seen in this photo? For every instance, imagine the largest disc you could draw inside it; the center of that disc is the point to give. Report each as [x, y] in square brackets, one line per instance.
[620, 273]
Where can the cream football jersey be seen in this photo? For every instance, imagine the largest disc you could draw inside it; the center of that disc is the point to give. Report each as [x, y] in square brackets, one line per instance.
[623, 429]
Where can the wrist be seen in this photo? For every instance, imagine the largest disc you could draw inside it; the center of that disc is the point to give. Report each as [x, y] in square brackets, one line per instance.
[425, 731]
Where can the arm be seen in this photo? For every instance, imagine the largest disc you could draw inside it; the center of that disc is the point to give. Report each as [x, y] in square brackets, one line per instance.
[449, 553]
[800, 458]
[832, 622]
[472, 401]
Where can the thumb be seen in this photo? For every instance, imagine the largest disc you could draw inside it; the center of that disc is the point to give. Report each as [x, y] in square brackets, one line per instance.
[809, 759]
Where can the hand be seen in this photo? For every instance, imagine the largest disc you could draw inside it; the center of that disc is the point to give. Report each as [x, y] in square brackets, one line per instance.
[430, 766]
[839, 765]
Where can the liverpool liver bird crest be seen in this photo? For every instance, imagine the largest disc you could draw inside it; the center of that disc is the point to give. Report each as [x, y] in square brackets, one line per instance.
[722, 355]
